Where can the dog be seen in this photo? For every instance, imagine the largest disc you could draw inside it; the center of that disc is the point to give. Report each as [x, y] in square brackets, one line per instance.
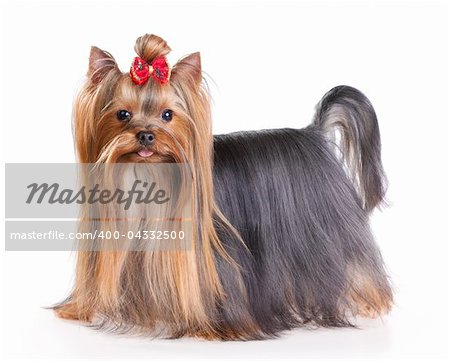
[281, 235]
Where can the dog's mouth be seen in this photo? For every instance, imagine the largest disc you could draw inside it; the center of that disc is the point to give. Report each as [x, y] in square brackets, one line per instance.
[145, 153]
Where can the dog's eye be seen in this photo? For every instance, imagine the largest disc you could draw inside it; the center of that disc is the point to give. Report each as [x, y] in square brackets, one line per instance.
[167, 115]
[123, 115]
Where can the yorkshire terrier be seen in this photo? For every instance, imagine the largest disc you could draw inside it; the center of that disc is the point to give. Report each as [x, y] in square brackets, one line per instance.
[281, 236]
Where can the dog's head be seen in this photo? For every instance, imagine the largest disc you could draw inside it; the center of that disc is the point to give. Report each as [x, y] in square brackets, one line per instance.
[150, 114]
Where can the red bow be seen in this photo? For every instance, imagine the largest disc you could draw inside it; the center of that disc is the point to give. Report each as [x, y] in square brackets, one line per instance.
[140, 70]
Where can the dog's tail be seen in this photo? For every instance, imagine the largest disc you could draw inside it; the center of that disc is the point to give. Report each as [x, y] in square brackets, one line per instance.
[348, 120]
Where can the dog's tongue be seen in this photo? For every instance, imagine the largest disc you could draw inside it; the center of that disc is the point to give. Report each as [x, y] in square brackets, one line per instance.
[145, 153]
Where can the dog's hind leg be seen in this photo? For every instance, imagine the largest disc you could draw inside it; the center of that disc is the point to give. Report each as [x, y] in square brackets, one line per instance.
[369, 295]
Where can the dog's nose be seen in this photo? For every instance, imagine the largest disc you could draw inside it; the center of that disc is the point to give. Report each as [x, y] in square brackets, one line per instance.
[146, 138]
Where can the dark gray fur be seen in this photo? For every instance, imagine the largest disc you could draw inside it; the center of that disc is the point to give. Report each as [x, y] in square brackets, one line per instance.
[302, 212]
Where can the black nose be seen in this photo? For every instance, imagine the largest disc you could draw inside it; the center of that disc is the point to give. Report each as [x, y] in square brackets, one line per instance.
[146, 138]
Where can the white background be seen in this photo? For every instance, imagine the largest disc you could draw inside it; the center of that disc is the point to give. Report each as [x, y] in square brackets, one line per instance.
[270, 64]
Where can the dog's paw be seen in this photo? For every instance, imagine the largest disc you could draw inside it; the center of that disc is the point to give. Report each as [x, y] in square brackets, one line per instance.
[70, 311]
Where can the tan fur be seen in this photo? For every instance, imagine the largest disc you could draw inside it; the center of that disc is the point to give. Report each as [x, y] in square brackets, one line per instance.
[177, 287]
[365, 297]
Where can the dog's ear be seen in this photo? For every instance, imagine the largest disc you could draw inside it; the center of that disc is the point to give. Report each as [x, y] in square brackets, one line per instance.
[188, 69]
[100, 64]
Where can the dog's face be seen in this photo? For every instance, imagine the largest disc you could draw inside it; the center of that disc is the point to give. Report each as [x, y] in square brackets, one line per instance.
[118, 120]
[143, 123]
